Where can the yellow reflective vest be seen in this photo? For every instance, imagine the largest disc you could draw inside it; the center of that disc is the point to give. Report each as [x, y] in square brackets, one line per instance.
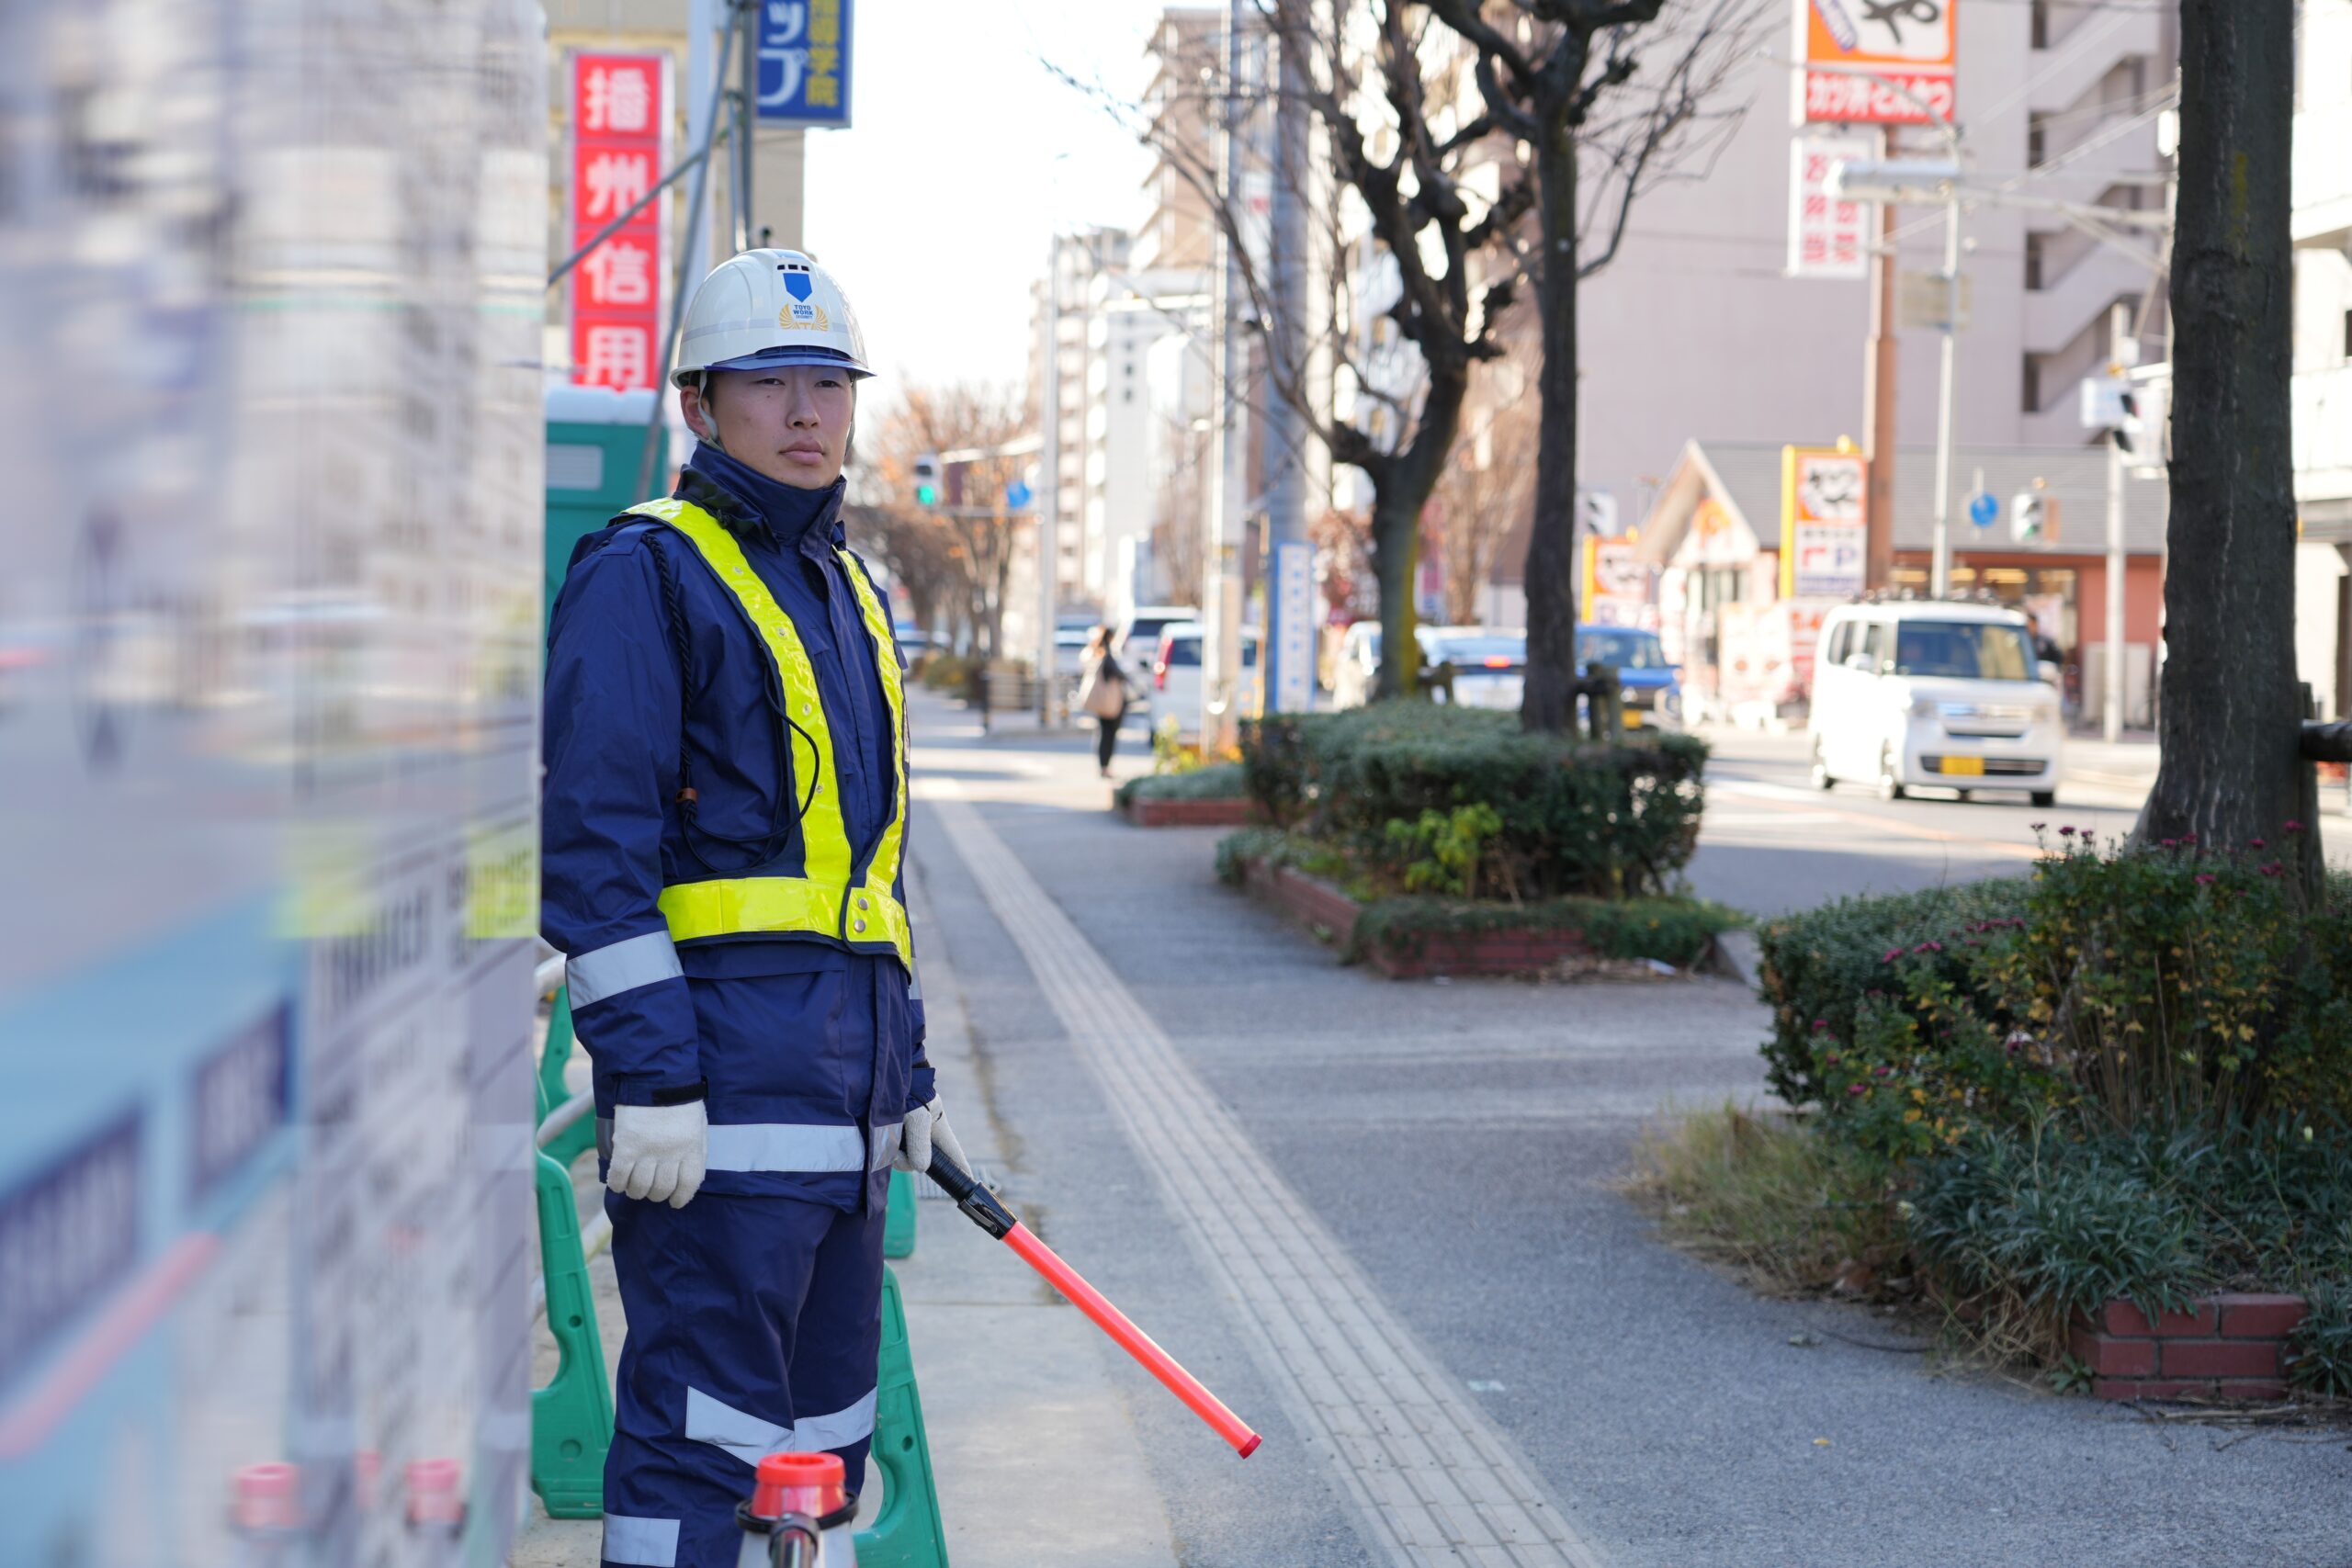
[837, 895]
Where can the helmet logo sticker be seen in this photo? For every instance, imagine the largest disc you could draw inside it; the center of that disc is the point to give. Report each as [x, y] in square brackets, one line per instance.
[811, 318]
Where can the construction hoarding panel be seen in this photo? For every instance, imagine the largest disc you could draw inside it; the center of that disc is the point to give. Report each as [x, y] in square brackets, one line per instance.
[1875, 62]
[1823, 553]
[268, 712]
[619, 142]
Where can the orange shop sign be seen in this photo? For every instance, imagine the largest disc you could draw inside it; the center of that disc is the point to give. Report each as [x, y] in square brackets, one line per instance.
[1862, 57]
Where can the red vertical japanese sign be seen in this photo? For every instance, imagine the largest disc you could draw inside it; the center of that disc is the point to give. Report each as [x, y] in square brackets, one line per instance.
[619, 121]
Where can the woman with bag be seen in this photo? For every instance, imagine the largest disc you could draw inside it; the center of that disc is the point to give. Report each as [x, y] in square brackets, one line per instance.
[1103, 693]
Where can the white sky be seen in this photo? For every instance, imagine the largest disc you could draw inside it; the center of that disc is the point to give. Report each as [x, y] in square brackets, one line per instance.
[968, 154]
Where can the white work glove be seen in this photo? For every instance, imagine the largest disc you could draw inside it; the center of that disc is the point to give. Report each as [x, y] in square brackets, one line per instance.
[924, 1129]
[659, 1152]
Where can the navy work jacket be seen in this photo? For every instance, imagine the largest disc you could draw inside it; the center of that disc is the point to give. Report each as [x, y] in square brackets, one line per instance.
[809, 1055]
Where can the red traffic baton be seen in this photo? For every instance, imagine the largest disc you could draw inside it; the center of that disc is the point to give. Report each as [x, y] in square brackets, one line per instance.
[993, 1217]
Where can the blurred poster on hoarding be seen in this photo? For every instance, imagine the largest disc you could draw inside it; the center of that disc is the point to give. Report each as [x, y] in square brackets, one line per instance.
[619, 147]
[269, 316]
[1875, 62]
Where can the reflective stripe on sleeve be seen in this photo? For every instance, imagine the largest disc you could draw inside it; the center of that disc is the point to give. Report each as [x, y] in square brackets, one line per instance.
[643, 1543]
[785, 1146]
[622, 967]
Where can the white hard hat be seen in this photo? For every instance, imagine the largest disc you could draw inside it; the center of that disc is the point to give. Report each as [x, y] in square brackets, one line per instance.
[768, 307]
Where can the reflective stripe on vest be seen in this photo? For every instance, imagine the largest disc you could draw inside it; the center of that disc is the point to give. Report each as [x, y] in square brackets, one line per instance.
[834, 897]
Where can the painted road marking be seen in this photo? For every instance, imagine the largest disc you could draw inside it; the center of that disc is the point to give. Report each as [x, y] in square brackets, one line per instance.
[1755, 790]
[1433, 1479]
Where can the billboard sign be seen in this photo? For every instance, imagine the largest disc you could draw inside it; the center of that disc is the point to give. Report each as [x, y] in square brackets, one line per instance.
[804, 62]
[1822, 536]
[1827, 237]
[1862, 57]
[1616, 583]
[619, 121]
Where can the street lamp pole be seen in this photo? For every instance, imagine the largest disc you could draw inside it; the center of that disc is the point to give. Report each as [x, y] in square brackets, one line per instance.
[1939, 579]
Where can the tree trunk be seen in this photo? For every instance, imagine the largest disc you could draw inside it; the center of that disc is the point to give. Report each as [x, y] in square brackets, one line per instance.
[1395, 562]
[1549, 701]
[1401, 490]
[2230, 716]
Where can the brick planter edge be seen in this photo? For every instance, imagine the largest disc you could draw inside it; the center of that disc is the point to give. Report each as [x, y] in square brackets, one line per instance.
[2232, 1346]
[1324, 908]
[1146, 813]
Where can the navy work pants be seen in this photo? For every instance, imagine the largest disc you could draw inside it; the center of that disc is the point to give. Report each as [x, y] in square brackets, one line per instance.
[754, 1326]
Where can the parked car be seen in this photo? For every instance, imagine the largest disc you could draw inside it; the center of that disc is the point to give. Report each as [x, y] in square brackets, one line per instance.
[1358, 665]
[1934, 694]
[1489, 666]
[1652, 685]
[1139, 631]
[1176, 678]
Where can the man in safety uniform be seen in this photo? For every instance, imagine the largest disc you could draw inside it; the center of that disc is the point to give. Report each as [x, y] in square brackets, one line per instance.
[725, 835]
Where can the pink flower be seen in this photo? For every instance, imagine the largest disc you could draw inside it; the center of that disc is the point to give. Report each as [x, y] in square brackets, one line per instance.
[1819, 1024]
[2293, 826]
[2037, 826]
[2188, 838]
[1882, 1072]
[2065, 832]
[2273, 869]
[2206, 879]
[1892, 954]
[2172, 844]
[2255, 844]
[1857, 1089]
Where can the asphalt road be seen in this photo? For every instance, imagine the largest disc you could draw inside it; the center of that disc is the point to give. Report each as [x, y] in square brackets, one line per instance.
[1458, 1144]
[1770, 842]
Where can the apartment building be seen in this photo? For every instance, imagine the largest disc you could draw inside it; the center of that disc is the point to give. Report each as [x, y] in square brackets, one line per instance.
[2323, 352]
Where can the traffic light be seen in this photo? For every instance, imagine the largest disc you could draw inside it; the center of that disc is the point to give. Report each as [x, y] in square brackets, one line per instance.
[927, 480]
[2026, 516]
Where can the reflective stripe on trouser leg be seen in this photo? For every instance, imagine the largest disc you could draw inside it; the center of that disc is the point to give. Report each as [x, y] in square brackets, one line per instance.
[641, 1543]
[748, 1317]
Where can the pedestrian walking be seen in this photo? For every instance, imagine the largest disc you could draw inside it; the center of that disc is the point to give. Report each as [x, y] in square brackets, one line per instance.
[724, 829]
[1103, 691]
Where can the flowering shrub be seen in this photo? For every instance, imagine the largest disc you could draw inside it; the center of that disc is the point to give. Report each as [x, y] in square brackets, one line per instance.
[2170, 982]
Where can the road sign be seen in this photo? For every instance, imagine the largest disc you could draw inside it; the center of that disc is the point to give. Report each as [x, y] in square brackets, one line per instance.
[1983, 510]
[804, 62]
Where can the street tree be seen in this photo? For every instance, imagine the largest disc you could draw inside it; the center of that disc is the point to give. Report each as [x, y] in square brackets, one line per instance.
[2230, 717]
[1414, 201]
[958, 553]
[1612, 98]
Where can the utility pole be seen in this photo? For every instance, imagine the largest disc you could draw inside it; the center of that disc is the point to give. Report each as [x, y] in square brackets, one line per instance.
[1287, 663]
[747, 102]
[1229, 451]
[1878, 397]
[2122, 349]
[1049, 485]
[1941, 583]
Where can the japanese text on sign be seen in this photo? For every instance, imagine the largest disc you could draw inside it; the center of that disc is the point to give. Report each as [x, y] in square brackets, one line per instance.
[1828, 237]
[620, 119]
[1876, 61]
[804, 62]
[1822, 535]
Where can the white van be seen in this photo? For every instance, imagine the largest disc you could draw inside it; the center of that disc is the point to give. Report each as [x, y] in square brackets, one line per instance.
[1934, 694]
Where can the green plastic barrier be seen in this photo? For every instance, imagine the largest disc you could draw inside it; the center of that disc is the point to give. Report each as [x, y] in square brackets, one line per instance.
[581, 1136]
[572, 1418]
[908, 1532]
[899, 1222]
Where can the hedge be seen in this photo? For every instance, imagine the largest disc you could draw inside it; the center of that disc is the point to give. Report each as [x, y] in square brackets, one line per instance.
[1219, 781]
[1575, 816]
[1819, 968]
[1673, 931]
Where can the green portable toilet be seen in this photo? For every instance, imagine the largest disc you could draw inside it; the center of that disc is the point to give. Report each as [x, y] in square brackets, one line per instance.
[595, 443]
